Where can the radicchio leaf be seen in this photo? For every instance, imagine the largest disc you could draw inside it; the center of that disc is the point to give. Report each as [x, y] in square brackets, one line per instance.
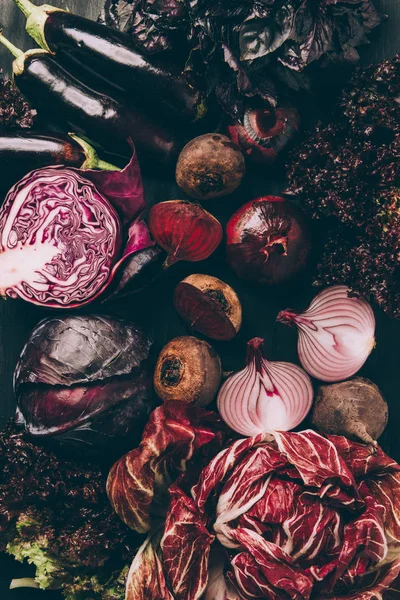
[187, 571]
[219, 587]
[216, 471]
[146, 579]
[321, 462]
[275, 567]
[137, 484]
[377, 585]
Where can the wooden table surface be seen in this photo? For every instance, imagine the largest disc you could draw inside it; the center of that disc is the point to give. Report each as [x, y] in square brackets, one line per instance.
[155, 309]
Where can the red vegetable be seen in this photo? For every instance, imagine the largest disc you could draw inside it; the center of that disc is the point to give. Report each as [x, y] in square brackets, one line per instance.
[265, 131]
[268, 240]
[146, 578]
[296, 516]
[210, 166]
[336, 334]
[209, 305]
[184, 230]
[137, 485]
[187, 370]
[65, 233]
[265, 395]
[86, 380]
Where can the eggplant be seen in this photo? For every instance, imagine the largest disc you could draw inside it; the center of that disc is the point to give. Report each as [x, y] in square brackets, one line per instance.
[74, 106]
[23, 151]
[33, 150]
[98, 52]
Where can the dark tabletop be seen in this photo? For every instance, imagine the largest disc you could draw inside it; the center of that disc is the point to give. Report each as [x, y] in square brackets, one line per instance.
[154, 309]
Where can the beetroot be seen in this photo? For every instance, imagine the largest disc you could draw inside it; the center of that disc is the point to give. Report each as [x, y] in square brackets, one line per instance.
[209, 305]
[210, 166]
[188, 370]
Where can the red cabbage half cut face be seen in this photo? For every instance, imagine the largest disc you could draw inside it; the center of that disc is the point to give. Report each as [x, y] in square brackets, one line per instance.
[64, 234]
[85, 379]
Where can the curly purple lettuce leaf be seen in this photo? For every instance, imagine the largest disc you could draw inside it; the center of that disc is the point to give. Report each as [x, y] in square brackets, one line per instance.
[15, 112]
[54, 513]
[346, 175]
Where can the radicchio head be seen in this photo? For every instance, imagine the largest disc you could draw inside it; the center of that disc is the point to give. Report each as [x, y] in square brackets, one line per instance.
[295, 516]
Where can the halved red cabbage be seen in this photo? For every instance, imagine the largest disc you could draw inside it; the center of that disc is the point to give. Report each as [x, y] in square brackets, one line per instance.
[64, 234]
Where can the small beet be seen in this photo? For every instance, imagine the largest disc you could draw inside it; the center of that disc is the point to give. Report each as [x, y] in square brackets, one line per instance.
[184, 230]
[210, 166]
[188, 370]
[354, 408]
[209, 306]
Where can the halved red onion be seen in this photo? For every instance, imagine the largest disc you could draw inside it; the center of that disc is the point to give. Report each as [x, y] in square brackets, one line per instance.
[265, 131]
[265, 396]
[336, 334]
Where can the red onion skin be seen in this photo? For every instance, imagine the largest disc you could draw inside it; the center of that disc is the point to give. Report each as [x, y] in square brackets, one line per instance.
[244, 398]
[268, 240]
[184, 230]
[336, 334]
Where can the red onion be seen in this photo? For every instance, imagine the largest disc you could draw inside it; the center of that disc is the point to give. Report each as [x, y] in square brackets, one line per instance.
[268, 240]
[265, 131]
[336, 334]
[184, 230]
[265, 396]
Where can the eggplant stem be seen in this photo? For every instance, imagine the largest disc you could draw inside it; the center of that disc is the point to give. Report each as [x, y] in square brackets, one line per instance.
[10, 46]
[92, 160]
[24, 582]
[26, 6]
[36, 17]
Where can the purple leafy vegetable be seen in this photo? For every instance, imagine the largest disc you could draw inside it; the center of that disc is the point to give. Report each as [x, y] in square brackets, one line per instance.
[291, 516]
[248, 48]
[15, 112]
[65, 233]
[85, 378]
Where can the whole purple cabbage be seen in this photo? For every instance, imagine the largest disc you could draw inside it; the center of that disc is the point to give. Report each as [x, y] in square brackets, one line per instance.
[66, 233]
[85, 378]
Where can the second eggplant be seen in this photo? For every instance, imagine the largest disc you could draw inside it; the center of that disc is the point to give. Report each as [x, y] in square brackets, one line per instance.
[72, 105]
[109, 58]
[23, 151]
